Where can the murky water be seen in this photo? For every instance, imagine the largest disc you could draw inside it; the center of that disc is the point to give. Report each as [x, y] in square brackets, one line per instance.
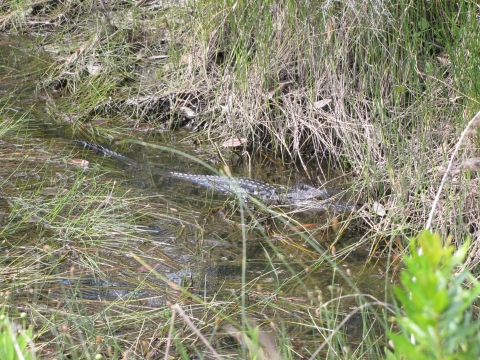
[190, 236]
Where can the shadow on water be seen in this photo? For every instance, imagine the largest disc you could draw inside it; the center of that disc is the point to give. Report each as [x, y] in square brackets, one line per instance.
[184, 234]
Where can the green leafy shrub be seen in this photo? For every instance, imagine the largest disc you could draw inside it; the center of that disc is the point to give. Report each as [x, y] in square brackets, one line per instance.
[436, 321]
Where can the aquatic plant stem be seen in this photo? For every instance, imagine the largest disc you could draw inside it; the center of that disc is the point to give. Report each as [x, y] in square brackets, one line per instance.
[170, 336]
[342, 323]
[191, 325]
[449, 167]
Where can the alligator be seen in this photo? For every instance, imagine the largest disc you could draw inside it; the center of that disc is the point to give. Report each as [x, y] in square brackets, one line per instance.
[305, 197]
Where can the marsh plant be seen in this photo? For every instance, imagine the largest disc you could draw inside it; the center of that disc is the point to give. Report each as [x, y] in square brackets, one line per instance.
[16, 341]
[435, 313]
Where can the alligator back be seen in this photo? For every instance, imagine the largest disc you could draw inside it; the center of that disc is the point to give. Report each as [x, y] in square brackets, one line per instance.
[242, 186]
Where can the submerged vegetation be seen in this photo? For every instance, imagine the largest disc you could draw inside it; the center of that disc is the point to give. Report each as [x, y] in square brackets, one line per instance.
[379, 99]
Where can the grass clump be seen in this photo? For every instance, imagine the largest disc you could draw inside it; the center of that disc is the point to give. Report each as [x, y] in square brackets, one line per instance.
[65, 232]
[379, 90]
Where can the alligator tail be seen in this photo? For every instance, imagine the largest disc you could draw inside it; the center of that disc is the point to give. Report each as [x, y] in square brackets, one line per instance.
[99, 149]
[103, 151]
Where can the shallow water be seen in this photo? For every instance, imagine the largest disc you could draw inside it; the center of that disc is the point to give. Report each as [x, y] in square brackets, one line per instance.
[189, 236]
